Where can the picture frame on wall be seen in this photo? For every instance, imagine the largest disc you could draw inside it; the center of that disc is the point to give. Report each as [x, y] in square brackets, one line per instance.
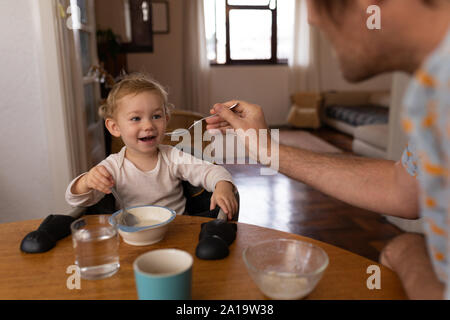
[160, 17]
[138, 24]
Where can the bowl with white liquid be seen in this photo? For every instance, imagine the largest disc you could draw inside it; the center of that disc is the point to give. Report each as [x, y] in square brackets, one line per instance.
[285, 269]
[152, 226]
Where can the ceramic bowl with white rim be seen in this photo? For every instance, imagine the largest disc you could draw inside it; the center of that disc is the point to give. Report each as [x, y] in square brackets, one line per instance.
[152, 227]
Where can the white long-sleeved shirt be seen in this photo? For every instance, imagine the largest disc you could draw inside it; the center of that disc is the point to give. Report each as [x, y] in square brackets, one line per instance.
[160, 186]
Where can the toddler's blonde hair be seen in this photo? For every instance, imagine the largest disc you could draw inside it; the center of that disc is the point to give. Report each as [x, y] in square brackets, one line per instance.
[134, 83]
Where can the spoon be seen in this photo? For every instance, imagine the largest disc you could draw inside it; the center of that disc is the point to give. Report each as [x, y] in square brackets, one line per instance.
[125, 218]
[180, 132]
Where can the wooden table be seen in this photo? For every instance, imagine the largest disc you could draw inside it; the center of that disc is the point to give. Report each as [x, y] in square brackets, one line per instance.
[43, 276]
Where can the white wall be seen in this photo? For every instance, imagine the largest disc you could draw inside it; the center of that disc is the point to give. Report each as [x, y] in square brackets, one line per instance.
[165, 62]
[34, 166]
[263, 85]
[266, 86]
[25, 190]
[331, 76]
[33, 170]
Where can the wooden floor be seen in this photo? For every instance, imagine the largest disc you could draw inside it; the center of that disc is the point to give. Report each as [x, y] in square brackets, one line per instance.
[339, 139]
[281, 203]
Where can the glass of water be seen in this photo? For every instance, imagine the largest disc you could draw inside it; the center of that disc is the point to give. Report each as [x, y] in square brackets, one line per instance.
[96, 246]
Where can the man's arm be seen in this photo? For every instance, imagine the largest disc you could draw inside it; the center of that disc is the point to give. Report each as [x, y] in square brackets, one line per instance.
[378, 185]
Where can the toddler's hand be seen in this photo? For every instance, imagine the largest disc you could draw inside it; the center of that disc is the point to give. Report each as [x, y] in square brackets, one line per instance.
[100, 179]
[97, 178]
[224, 197]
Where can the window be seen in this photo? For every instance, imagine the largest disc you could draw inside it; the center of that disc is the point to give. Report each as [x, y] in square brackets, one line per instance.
[248, 31]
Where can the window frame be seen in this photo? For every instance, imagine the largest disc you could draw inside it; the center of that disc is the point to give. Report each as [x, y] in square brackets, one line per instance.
[274, 39]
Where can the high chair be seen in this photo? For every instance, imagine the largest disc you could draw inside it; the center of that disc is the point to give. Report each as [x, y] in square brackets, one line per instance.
[56, 227]
[197, 198]
[197, 204]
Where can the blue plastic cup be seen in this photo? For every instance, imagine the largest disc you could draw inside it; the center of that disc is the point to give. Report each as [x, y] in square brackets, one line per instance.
[164, 274]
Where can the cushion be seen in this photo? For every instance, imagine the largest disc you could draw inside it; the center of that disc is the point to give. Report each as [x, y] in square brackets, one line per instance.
[376, 135]
[304, 117]
[306, 99]
[365, 149]
[358, 115]
[340, 126]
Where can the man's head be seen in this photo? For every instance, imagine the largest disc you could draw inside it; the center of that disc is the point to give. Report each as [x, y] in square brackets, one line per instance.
[410, 30]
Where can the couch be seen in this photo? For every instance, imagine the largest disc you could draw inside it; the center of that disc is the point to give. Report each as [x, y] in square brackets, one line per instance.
[361, 114]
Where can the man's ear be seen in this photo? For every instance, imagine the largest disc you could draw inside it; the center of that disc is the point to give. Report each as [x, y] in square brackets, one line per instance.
[112, 127]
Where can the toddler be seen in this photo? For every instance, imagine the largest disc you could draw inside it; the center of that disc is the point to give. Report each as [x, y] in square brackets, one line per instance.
[146, 172]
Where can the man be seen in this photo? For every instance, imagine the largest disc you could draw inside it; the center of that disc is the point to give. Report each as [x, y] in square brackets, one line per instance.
[415, 38]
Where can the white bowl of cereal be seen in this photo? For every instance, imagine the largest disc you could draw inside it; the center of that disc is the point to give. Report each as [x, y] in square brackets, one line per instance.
[152, 226]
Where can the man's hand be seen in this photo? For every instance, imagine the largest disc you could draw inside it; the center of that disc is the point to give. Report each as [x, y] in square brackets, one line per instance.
[247, 120]
[224, 197]
[97, 178]
[245, 116]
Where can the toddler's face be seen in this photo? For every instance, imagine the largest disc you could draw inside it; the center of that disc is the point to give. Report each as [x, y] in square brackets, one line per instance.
[141, 121]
